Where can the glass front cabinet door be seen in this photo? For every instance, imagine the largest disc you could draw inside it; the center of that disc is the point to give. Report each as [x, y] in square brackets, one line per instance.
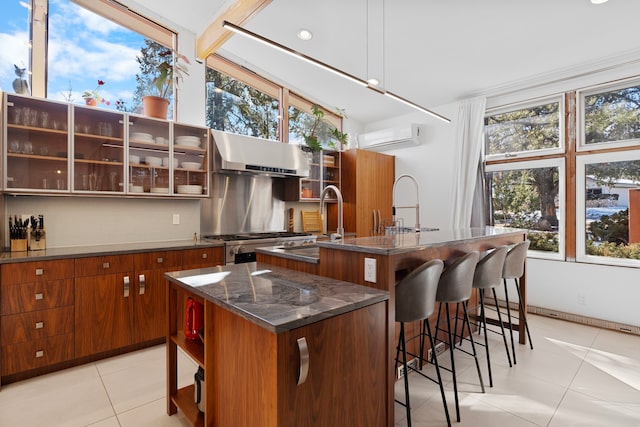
[191, 160]
[150, 157]
[36, 149]
[98, 151]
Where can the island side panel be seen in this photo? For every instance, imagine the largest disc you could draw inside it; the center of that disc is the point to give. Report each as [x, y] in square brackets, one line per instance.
[347, 382]
[242, 387]
[291, 264]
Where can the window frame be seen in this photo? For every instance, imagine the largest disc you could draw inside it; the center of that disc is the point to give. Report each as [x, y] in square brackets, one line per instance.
[558, 162]
[581, 162]
[581, 145]
[518, 155]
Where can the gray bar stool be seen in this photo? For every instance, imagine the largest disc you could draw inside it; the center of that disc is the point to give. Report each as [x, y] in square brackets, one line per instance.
[415, 301]
[455, 286]
[487, 276]
[514, 269]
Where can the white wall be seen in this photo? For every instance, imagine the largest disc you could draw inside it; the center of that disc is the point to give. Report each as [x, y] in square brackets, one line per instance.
[81, 221]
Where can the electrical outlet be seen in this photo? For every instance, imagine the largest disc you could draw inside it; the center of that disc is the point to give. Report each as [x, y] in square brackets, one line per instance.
[176, 219]
[370, 270]
[581, 299]
[411, 364]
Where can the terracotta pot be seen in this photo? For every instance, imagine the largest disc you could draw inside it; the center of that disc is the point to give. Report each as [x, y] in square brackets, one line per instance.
[91, 102]
[155, 106]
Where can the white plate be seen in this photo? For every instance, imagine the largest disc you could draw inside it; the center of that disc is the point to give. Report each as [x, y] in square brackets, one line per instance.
[160, 190]
[142, 136]
[189, 189]
[191, 165]
[189, 141]
[136, 189]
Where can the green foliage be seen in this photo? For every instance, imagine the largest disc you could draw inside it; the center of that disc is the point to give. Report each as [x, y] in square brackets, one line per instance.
[610, 249]
[612, 228]
[612, 116]
[543, 241]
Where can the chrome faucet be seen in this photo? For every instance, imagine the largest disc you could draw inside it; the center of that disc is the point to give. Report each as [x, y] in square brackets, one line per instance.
[416, 207]
[339, 234]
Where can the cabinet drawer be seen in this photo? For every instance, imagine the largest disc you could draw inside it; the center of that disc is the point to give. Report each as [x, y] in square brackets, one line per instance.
[16, 299]
[202, 257]
[157, 260]
[36, 325]
[98, 266]
[35, 354]
[36, 271]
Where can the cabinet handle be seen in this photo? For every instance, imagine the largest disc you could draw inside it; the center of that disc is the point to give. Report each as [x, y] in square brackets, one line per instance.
[380, 230]
[39, 325]
[126, 286]
[39, 271]
[39, 296]
[39, 353]
[160, 260]
[303, 349]
[204, 256]
[141, 279]
[375, 222]
[105, 265]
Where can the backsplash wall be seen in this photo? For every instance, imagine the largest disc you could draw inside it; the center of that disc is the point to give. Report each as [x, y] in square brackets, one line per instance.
[80, 221]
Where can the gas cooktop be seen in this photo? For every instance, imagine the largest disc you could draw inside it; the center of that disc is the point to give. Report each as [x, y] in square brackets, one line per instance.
[255, 236]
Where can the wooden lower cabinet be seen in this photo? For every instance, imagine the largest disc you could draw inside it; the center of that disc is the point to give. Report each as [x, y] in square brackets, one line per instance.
[36, 315]
[252, 374]
[202, 257]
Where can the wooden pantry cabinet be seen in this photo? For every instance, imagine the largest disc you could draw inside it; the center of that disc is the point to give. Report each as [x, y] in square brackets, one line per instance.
[367, 190]
[36, 315]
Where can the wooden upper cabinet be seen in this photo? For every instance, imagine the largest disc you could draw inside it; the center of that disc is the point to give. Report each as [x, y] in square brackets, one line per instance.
[367, 189]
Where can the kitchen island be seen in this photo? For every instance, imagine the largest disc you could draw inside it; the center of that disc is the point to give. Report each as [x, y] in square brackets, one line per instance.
[281, 348]
[394, 256]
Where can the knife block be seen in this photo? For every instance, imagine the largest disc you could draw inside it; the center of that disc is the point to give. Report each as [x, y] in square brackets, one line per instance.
[18, 245]
[37, 240]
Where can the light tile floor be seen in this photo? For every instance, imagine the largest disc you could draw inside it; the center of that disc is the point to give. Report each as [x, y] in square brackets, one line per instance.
[576, 376]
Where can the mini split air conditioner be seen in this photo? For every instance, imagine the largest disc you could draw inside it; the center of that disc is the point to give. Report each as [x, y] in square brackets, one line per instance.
[388, 139]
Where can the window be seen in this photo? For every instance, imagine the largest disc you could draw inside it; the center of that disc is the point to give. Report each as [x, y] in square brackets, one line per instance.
[236, 107]
[528, 195]
[85, 47]
[14, 39]
[608, 200]
[528, 130]
[611, 116]
[240, 101]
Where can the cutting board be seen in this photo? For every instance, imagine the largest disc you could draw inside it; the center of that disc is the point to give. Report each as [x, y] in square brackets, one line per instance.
[311, 221]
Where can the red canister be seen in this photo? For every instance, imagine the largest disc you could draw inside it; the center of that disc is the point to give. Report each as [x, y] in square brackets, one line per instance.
[194, 319]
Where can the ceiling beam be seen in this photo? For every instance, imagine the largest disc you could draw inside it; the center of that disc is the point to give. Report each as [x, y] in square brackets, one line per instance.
[240, 12]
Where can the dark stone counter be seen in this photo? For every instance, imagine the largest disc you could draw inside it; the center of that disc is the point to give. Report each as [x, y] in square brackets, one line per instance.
[104, 250]
[275, 298]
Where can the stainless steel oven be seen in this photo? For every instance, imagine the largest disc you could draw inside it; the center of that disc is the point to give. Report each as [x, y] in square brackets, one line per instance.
[241, 248]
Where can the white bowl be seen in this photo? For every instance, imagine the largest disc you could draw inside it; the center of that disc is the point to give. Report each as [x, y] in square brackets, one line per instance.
[165, 161]
[136, 189]
[191, 165]
[134, 159]
[189, 189]
[160, 190]
[189, 141]
[142, 136]
[153, 161]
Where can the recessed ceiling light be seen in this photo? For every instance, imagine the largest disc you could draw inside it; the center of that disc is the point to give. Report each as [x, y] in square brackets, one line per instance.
[373, 81]
[305, 34]
[598, 1]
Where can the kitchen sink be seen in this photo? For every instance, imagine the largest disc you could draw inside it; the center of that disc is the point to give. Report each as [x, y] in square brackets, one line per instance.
[311, 251]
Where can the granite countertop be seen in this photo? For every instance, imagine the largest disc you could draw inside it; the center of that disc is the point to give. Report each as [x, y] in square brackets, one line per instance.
[276, 298]
[304, 253]
[407, 242]
[104, 250]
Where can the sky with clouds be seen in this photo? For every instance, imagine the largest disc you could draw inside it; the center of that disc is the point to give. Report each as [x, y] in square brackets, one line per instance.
[83, 48]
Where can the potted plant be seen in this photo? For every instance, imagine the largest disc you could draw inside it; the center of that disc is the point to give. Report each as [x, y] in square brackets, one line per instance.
[93, 98]
[20, 84]
[311, 140]
[169, 72]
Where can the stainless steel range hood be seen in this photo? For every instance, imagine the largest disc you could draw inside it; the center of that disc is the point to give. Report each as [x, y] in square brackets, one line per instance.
[233, 152]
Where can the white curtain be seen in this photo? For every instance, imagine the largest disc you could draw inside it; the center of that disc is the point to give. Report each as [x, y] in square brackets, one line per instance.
[467, 156]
